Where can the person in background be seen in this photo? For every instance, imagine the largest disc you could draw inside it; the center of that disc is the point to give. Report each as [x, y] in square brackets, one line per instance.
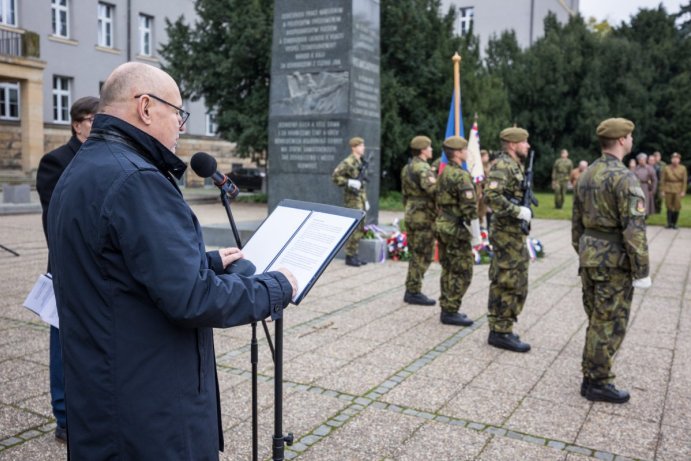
[508, 271]
[577, 172]
[49, 171]
[608, 234]
[673, 185]
[419, 186]
[346, 176]
[137, 294]
[457, 229]
[646, 175]
[560, 177]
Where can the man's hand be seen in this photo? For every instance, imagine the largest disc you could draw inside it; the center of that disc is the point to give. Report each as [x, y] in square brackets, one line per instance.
[642, 283]
[291, 278]
[525, 214]
[355, 184]
[230, 255]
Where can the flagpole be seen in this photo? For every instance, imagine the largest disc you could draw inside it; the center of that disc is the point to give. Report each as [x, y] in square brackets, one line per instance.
[457, 93]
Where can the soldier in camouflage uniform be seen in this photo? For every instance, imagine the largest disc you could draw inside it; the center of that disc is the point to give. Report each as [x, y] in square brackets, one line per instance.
[608, 232]
[560, 177]
[354, 194]
[508, 271]
[419, 184]
[457, 229]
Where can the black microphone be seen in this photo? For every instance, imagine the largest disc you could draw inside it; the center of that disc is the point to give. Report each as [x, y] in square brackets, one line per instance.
[206, 167]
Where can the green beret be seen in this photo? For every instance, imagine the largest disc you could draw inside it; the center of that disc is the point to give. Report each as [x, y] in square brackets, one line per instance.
[455, 143]
[420, 142]
[614, 128]
[356, 141]
[513, 134]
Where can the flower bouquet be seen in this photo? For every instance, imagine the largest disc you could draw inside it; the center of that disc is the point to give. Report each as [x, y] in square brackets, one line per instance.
[397, 246]
[483, 252]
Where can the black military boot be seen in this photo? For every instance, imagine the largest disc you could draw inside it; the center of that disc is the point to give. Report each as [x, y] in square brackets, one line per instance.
[352, 261]
[606, 393]
[669, 220]
[455, 318]
[418, 298]
[675, 218]
[584, 386]
[508, 341]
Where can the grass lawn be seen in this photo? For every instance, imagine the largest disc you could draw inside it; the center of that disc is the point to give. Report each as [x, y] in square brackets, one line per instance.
[392, 201]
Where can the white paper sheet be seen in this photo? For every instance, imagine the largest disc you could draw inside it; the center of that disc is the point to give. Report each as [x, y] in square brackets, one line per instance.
[41, 300]
[311, 246]
[272, 235]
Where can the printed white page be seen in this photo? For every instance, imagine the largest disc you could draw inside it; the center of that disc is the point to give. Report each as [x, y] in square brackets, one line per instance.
[272, 236]
[311, 246]
[41, 300]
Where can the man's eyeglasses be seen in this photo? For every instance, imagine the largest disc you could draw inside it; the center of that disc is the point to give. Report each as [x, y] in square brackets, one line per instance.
[90, 119]
[184, 115]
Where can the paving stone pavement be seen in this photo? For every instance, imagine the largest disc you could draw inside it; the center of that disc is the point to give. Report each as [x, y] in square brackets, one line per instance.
[368, 377]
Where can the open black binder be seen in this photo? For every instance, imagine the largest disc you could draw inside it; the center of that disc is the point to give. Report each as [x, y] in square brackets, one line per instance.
[303, 237]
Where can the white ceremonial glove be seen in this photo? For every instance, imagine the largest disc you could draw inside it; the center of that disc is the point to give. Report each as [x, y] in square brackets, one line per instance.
[355, 184]
[525, 214]
[366, 204]
[475, 232]
[643, 283]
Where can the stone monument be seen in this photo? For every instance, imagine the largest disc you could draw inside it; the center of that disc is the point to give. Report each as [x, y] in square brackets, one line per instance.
[324, 90]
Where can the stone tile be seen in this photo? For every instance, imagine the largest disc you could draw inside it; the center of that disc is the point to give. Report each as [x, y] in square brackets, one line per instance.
[304, 411]
[675, 444]
[678, 413]
[422, 393]
[30, 386]
[348, 347]
[561, 384]
[456, 368]
[436, 441]
[538, 358]
[547, 419]
[482, 405]
[238, 440]
[330, 450]
[378, 432]
[237, 401]
[43, 448]
[508, 378]
[506, 449]
[617, 434]
[39, 405]
[309, 367]
[14, 421]
[353, 378]
[14, 369]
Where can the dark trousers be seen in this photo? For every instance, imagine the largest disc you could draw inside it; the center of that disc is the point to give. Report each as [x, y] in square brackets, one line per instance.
[57, 378]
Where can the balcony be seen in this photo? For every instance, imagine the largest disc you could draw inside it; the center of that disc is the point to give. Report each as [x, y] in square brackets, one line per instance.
[19, 43]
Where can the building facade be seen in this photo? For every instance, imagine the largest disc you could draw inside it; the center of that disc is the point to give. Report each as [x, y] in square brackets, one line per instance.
[53, 52]
[492, 17]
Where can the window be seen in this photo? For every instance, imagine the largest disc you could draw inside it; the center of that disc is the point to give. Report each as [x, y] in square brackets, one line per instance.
[61, 99]
[105, 25]
[145, 34]
[61, 25]
[211, 126]
[9, 101]
[465, 20]
[8, 12]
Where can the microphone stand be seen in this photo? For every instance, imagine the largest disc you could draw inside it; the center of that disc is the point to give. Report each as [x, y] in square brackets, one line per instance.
[278, 439]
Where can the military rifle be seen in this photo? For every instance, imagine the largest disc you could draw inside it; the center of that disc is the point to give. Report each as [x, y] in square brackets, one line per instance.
[528, 195]
[362, 176]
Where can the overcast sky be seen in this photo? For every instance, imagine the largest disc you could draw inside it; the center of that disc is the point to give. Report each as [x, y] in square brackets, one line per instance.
[616, 11]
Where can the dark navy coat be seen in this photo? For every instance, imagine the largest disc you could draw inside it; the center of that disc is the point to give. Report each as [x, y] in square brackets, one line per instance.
[138, 299]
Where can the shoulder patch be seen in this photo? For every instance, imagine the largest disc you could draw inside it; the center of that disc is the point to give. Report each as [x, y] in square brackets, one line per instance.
[493, 184]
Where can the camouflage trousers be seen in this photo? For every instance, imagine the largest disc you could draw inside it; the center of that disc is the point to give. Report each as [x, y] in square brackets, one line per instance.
[421, 249]
[508, 275]
[559, 192]
[607, 295]
[351, 246]
[456, 258]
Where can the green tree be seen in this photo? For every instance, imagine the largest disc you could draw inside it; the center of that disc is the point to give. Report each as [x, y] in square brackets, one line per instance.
[225, 58]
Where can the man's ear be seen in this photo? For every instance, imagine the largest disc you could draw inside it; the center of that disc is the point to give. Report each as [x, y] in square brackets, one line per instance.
[144, 110]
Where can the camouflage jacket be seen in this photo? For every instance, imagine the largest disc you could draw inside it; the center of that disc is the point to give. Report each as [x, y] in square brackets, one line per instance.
[456, 201]
[608, 222]
[505, 180]
[349, 168]
[419, 184]
[562, 169]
